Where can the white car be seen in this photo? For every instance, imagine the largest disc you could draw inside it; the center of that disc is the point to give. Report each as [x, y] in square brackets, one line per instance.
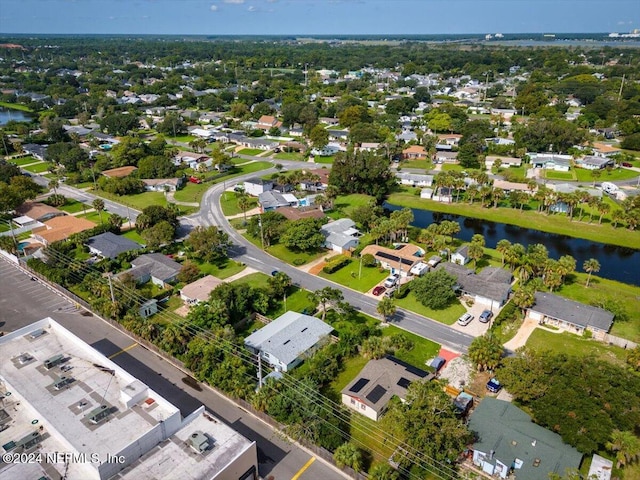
[391, 281]
[465, 319]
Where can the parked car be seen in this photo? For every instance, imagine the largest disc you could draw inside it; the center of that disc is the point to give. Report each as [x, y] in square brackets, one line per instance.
[465, 319]
[274, 273]
[391, 281]
[494, 386]
[627, 164]
[378, 290]
[437, 363]
[485, 316]
[195, 180]
[389, 293]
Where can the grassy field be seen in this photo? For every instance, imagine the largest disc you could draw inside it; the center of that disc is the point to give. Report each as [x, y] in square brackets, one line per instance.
[344, 204]
[328, 159]
[250, 151]
[138, 201]
[256, 280]
[38, 167]
[229, 203]
[560, 224]
[349, 276]
[95, 217]
[221, 270]
[15, 106]
[289, 156]
[606, 175]
[135, 236]
[283, 253]
[452, 167]
[553, 175]
[571, 344]
[422, 350]
[297, 301]
[182, 138]
[191, 192]
[447, 315]
[423, 164]
[24, 161]
[602, 289]
[73, 206]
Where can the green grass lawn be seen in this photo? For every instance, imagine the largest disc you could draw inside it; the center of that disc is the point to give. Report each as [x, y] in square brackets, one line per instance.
[38, 167]
[182, 138]
[601, 289]
[422, 350]
[138, 201]
[221, 270]
[73, 206]
[353, 277]
[297, 301]
[229, 203]
[447, 315]
[575, 345]
[346, 203]
[283, 253]
[135, 236]
[95, 217]
[351, 368]
[250, 151]
[256, 280]
[553, 175]
[24, 161]
[606, 175]
[452, 167]
[173, 303]
[289, 156]
[604, 233]
[15, 106]
[423, 164]
[328, 159]
[192, 192]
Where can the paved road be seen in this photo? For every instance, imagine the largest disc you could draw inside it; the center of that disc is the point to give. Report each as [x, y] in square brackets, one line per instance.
[23, 301]
[244, 251]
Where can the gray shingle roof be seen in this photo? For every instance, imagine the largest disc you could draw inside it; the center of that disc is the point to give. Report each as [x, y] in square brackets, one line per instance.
[288, 336]
[509, 432]
[494, 285]
[111, 245]
[158, 265]
[572, 312]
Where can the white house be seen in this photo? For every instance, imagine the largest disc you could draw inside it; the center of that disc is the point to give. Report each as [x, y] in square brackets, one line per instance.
[461, 255]
[286, 341]
[255, 186]
[340, 235]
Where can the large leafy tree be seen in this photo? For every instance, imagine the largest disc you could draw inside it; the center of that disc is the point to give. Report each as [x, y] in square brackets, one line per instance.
[435, 289]
[154, 214]
[268, 226]
[303, 235]
[158, 234]
[326, 296]
[208, 243]
[362, 172]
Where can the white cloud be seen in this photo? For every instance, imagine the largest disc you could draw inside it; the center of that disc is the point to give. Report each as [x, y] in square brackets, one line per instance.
[213, 8]
[236, 2]
[251, 8]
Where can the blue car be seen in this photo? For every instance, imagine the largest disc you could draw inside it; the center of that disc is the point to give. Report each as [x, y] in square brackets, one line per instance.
[494, 386]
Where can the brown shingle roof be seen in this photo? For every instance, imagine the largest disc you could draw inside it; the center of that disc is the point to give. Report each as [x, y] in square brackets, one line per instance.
[292, 213]
[60, 228]
[38, 211]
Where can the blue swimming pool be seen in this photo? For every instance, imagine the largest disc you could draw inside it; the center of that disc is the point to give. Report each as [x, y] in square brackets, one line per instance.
[105, 146]
[22, 245]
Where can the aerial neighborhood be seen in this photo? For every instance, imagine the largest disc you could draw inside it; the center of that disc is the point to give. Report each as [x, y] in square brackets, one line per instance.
[415, 260]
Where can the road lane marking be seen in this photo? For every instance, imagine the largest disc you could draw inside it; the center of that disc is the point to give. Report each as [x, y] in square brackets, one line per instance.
[304, 467]
[123, 350]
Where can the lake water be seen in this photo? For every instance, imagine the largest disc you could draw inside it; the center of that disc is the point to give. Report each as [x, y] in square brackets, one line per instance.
[616, 263]
[6, 115]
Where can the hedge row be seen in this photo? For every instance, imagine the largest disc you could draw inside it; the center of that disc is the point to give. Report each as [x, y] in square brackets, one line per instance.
[336, 264]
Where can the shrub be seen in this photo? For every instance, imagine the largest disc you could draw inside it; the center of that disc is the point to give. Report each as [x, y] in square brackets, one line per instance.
[509, 312]
[336, 264]
[368, 260]
[298, 261]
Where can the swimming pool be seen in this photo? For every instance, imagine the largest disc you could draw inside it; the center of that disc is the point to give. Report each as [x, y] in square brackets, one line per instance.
[105, 146]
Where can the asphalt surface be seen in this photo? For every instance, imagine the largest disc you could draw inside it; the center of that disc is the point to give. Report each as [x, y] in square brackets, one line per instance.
[24, 301]
[244, 251]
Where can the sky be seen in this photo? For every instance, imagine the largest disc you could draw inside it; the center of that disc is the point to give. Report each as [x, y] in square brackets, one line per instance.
[319, 17]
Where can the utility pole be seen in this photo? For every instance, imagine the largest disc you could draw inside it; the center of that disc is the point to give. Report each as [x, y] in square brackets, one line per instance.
[360, 269]
[621, 87]
[113, 298]
[259, 371]
[261, 230]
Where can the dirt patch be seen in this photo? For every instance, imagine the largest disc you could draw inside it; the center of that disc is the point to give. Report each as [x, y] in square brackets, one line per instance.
[316, 269]
[458, 372]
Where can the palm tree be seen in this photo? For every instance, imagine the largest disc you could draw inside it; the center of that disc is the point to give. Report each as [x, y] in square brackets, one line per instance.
[485, 193]
[496, 196]
[626, 445]
[595, 174]
[590, 266]
[53, 185]
[617, 216]
[98, 204]
[476, 252]
[523, 298]
[502, 247]
[244, 202]
[485, 352]
[386, 308]
[472, 192]
[348, 455]
[602, 208]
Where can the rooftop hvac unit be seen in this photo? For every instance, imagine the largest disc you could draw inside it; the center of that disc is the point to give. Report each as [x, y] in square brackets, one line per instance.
[96, 415]
[199, 441]
[25, 443]
[53, 361]
[63, 382]
[37, 333]
[25, 358]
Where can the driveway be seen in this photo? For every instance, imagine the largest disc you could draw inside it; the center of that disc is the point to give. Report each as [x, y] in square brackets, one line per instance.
[520, 339]
[475, 328]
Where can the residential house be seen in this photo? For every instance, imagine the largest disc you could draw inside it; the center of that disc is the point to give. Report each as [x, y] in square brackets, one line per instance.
[380, 380]
[60, 228]
[337, 135]
[156, 267]
[341, 235]
[38, 211]
[311, 211]
[415, 179]
[332, 122]
[414, 152]
[446, 157]
[406, 136]
[272, 200]
[398, 261]
[35, 150]
[461, 255]
[604, 150]
[192, 159]
[163, 184]
[202, 133]
[286, 341]
[591, 162]
[317, 181]
[512, 186]
[568, 314]
[559, 163]
[119, 172]
[508, 442]
[501, 141]
[326, 151]
[266, 122]
[369, 146]
[504, 161]
[257, 143]
[110, 245]
[148, 308]
[255, 186]
[490, 288]
[449, 138]
[199, 291]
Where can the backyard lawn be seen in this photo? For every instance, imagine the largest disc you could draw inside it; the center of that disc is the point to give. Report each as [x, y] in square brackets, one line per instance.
[38, 167]
[250, 151]
[297, 301]
[346, 203]
[95, 217]
[256, 280]
[448, 315]
[24, 161]
[221, 270]
[353, 277]
[229, 203]
[15, 106]
[182, 138]
[73, 206]
[570, 344]
[605, 175]
[452, 167]
[135, 236]
[422, 350]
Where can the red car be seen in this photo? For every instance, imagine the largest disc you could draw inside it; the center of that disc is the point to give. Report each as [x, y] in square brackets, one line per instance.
[195, 180]
[378, 290]
[627, 164]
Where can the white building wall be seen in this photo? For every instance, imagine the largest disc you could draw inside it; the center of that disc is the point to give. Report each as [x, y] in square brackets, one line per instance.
[359, 407]
[245, 462]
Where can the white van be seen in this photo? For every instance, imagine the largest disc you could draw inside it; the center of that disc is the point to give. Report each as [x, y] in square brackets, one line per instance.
[609, 187]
